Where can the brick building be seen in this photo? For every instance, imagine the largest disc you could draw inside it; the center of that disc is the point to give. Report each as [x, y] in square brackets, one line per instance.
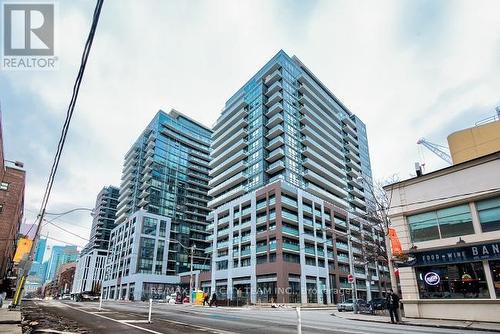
[12, 182]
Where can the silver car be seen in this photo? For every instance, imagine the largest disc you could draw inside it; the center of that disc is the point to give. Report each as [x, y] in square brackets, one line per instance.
[347, 305]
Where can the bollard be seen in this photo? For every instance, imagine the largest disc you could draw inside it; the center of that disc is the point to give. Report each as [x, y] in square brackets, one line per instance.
[100, 303]
[299, 321]
[150, 307]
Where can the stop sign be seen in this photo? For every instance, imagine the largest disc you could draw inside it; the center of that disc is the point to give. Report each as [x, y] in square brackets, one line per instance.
[350, 278]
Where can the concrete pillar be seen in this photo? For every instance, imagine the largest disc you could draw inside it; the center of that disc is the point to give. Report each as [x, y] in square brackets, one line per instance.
[489, 279]
[475, 218]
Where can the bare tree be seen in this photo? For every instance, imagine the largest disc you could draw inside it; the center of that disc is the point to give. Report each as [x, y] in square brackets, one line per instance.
[378, 215]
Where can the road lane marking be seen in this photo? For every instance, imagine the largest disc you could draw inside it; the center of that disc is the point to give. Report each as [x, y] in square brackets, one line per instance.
[127, 322]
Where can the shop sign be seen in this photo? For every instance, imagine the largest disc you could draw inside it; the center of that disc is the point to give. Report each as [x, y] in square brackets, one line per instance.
[490, 251]
[432, 278]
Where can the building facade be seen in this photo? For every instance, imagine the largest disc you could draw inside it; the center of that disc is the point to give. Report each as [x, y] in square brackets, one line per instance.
[448, 222]
[60, 255]
[12, 185]
[165, 177]
[104, 215]
[474, 142]
[288, 161]
[89, 271]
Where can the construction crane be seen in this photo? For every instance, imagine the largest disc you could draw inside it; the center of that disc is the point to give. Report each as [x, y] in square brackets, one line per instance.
[438, 150]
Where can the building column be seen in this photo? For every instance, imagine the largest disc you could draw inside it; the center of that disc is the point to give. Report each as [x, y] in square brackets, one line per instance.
[489, 279]
[475, 218]
[229, 288]
[253, 248]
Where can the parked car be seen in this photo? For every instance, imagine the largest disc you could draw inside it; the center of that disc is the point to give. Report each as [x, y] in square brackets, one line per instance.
[364, 307]
[347, 305]
[66, 297]
[378, 304]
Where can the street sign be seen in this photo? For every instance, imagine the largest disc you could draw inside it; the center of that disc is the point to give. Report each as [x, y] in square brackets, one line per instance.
[350, 278]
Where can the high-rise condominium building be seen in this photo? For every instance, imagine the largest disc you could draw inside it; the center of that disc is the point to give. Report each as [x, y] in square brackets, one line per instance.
[162, 208]
[104, 216]
[60, 255]
[290, 177]
[89, 271]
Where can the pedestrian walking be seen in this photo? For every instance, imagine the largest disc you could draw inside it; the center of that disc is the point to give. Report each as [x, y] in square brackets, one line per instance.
[205, 299]
[393, 306]
[213, 300]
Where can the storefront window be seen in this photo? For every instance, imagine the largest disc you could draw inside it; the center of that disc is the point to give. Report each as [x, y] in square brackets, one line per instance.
[444, 223]
[453, 281]
[495, 273]
[489, 214]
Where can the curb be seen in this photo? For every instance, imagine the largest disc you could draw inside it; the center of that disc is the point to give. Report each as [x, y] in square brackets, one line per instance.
[406, 323]
[10, 322]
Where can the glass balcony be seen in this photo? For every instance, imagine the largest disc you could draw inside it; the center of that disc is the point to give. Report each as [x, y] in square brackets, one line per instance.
[291, 247]
[290, 230]
[288, 201]
[273, 77]
[289, 216]
[275, 167]
[343, 258]
[277, 130]
[275, 120]
[223, 244]
[262, 249]
[341, 245]
[276, 108]
[310, 251]
[275, 87]
[245, 252]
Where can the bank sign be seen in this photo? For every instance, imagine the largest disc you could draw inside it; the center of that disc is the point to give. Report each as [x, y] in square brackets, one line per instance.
[490, 251]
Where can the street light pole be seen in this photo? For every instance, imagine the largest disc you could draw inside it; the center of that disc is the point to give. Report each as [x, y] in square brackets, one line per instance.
[191, 276]
[351, 267]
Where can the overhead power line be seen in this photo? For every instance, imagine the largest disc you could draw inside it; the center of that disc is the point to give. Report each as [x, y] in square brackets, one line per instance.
[60, 146]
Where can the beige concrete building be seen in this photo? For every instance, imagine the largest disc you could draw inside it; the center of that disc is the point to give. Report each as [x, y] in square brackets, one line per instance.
[448, 222]
[475, 142]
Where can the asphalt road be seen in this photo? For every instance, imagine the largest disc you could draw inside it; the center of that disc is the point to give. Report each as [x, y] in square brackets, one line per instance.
[127, 317]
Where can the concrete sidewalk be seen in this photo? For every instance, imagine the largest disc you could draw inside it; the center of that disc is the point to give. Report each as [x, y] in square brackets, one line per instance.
[10, 321]
[453, 324]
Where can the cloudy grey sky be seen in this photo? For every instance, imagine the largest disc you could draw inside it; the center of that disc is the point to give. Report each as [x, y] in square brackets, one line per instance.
[409, 69]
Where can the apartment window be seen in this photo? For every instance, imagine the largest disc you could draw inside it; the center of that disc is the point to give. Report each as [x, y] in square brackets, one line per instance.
[453, 281]
[149, 226]
[221, 265]
[245, 262]
[163, 228]
[291, 258]
[4, 186]
[489, 214]
[261, 259]
[444, 223]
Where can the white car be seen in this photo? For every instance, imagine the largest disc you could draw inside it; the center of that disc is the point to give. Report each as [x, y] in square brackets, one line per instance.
[347, 305]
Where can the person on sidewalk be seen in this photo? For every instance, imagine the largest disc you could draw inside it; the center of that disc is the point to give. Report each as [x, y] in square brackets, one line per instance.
[393, 306]
[205, 299]
[213, 300]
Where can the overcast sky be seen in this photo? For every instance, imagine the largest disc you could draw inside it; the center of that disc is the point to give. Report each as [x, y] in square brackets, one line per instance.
[408, 69]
